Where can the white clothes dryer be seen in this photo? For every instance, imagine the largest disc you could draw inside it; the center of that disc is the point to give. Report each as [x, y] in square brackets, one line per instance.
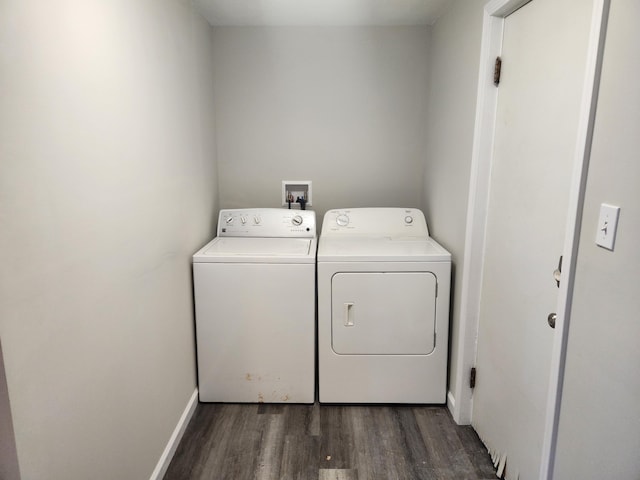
[254, 290]
[383, 308]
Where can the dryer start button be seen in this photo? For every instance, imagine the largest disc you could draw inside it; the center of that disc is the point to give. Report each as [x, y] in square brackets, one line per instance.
[342, 220]
[408, 219]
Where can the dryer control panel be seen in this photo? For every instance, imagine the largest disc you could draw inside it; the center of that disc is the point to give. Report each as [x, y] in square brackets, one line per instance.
[377, 222]
[266, 222]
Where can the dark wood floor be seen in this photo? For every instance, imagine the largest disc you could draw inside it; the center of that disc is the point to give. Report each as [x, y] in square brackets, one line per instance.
[323, 442]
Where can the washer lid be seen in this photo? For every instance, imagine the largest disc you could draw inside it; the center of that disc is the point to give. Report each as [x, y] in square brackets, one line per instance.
[381, 249]
[260, 250]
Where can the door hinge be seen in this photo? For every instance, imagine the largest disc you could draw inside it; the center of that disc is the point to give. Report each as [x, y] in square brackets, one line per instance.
[496, 71]
[472, 378]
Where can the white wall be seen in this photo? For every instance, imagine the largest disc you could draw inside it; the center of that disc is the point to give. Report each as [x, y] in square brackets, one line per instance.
[107, 186]
[455, 57]
[343, 107]
[599, 433]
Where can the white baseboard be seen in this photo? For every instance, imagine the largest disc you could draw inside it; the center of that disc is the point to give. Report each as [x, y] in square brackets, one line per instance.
[451, 402]
[174, 440]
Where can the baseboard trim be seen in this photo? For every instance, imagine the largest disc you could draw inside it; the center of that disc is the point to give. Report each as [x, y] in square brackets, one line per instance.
[174, 440]
[451, 402]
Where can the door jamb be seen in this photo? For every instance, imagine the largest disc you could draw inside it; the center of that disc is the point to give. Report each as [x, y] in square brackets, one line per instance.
[460, 400]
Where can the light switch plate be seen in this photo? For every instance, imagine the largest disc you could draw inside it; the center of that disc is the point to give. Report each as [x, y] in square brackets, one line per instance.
[607, 225]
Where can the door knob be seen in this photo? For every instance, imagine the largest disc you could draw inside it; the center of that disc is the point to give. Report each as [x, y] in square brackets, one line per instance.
[551, 320]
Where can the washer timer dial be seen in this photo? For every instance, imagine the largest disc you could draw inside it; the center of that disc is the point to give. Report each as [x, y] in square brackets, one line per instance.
[297, 220]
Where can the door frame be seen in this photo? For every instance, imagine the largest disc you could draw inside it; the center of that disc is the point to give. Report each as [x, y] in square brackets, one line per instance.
[460, 398]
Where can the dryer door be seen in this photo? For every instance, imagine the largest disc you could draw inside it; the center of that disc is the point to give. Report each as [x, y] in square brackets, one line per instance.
[383, 313]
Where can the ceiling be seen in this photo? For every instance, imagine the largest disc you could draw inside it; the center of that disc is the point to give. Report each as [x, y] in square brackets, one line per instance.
[321, 12]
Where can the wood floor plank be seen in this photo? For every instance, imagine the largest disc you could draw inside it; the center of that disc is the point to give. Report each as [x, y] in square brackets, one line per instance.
[327, 442]
[415, 450]
[271, 447]
[336, 438]
[448, 455]
[205, 436]
[300, 457]
[314, 420]
[302, 420]
[477, 453]
[336, 474]
[380, 446]
[235, 440]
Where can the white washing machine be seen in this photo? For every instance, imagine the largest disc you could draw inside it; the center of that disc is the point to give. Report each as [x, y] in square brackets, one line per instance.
[383, 308]
[254, 289]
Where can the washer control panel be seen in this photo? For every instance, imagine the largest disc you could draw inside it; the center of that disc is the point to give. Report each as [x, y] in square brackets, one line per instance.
[266, 222]
[390, 222]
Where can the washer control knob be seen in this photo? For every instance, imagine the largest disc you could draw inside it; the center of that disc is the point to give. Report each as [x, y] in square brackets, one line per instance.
[228, 220]
[243, 219]
[257, 220]
[297, 220]
[342, 220]
[408, 219]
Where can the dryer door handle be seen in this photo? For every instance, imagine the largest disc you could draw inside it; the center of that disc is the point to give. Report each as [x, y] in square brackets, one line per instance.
[348, 314]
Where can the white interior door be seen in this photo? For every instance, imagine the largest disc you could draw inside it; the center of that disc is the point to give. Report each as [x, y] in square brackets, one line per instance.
[543, 67]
